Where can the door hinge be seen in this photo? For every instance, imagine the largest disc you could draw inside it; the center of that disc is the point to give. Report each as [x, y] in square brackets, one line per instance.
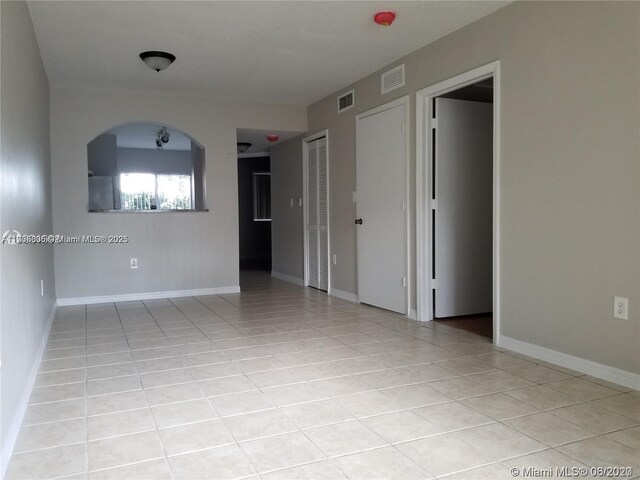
[404, 281]
[404, 205]
[403, 127]
[434, 123]
[433, 204]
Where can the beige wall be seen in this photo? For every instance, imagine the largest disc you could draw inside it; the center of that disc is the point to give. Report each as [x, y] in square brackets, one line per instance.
[287, 247]
[175, 251]
[570, 169]
[25, 206]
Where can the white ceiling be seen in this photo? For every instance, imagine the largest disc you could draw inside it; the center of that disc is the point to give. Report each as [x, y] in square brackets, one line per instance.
[143, 135]
[292, 52]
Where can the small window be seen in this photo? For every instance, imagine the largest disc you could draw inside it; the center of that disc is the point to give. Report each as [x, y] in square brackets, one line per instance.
[148, 191]
[262, 197]
[174, 192]
[137, 191]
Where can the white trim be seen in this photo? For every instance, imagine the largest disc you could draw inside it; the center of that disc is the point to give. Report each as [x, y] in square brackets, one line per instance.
[612, 374]
[127, 297]
[349, 297]
[305, 143]
[423, 187]
[395, 103]
[413, 314]
[254, 155]
[18, 417]
[404, 100]
[287, 278]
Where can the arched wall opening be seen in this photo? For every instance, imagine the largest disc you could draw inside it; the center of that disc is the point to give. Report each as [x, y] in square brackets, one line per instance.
[145, 166]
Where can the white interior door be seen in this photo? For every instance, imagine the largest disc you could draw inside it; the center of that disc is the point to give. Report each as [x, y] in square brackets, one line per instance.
[464, 207]
[317, 214]
[381, 157]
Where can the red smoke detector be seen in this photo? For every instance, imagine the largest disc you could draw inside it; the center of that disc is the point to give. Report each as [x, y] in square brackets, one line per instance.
[385, 18]
[273, 138]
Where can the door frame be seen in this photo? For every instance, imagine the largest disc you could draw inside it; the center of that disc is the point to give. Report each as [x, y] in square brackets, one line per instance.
[424, 174]
[407, 239]
[305, 199]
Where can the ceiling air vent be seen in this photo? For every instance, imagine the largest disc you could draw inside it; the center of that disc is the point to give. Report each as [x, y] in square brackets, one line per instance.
[345, 101]
[392, 79]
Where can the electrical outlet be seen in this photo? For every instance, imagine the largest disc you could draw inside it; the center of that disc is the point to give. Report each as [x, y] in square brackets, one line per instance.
[621, 308]
[42, 288]
[133, 262]
[335, 259]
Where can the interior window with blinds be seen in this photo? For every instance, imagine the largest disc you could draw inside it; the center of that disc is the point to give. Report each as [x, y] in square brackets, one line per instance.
[262, 197]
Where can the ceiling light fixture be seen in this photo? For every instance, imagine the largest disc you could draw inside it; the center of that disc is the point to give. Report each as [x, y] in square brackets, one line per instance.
[157, 60]
[384, 18]
[243, 146]
[162, 138]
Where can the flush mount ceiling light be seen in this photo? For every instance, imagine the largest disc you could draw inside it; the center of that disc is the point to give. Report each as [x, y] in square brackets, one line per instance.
[157, 60]
[384, 18]
[243, 146]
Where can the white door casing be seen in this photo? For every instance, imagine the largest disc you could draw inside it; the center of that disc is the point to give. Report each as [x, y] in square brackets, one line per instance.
[381, 196]
[424, 124]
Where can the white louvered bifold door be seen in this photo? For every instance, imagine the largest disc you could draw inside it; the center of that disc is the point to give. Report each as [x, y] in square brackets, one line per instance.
[317, 215]
[323, 217]
[312, 214]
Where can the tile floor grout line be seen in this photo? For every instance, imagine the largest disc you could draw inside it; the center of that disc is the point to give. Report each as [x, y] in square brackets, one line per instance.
[155, 425]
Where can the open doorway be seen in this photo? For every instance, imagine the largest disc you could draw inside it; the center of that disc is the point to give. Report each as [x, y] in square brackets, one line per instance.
[462, 218]
[254, 202]
[458, 125]
[254, 213]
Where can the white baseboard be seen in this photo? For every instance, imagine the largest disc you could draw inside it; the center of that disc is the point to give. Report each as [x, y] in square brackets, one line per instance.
[612, 374]
[18, 417]
[349, 297]
[287, 278]
[413, 314]
[127, 297]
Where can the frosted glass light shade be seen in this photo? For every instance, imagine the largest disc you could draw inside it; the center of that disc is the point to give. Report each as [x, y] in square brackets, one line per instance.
[157, 60]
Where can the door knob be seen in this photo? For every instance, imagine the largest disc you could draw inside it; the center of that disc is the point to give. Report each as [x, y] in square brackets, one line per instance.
[358, 221]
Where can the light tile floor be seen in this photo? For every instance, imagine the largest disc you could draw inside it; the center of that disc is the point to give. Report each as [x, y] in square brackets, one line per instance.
[285, 382]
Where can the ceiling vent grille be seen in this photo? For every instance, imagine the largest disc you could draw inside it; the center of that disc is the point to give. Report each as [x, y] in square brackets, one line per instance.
[345, 101]
[392, 79]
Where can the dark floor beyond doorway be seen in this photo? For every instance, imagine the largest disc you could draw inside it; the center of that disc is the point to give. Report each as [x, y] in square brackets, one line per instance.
[259, 264]
[481, 324]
